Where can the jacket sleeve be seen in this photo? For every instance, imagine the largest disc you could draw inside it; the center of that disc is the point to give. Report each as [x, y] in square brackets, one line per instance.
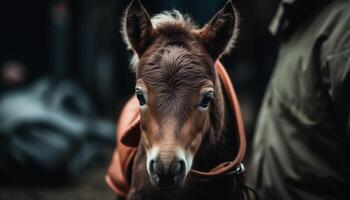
[335, 65]
[336, 71]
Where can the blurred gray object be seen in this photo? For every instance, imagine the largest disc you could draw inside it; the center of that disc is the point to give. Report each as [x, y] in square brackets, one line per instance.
[49, 128]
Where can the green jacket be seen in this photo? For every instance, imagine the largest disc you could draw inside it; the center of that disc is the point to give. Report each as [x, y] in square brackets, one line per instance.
[301, 147]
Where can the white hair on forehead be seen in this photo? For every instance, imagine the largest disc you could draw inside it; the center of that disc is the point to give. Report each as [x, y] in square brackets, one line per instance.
[173, 16]
[166, 17]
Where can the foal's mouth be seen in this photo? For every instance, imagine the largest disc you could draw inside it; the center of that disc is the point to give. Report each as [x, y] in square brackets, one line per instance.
[166, 184]
[169, 188]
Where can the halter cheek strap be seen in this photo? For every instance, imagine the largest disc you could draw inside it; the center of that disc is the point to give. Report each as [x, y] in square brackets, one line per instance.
[235, 166]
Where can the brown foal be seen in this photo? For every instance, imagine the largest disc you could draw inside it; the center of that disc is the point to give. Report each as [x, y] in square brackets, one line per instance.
[181, 102]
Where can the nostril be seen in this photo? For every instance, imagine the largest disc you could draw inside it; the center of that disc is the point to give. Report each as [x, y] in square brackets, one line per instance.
[182, 165]
[179, 173]
[156, 167]
[178, 167]
[152, 166]
[155, 173]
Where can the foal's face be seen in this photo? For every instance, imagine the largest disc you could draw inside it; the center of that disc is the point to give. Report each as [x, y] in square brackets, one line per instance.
[175, 86]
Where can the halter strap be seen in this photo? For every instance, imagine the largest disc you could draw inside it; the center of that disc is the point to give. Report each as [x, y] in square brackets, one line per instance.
[235, 166]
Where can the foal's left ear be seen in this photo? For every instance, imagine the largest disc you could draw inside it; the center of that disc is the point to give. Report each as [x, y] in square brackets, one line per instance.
[220, 33]
[137, 27]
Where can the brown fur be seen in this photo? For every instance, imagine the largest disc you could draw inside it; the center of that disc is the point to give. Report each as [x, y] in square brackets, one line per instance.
[175, 62]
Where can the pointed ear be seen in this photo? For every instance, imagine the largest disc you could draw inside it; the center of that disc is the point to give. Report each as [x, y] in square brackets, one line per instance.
[137, 27]
[219, 35]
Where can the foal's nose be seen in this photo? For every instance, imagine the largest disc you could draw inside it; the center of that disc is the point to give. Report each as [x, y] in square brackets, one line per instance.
[167, 174]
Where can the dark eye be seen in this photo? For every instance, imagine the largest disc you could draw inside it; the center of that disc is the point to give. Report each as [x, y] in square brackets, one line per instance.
[140, 96]
[207, 98]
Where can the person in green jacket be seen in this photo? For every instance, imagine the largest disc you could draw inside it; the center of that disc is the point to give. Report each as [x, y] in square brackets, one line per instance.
[301, 147]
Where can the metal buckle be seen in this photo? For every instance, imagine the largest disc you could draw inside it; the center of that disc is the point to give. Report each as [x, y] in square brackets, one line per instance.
[237, 170]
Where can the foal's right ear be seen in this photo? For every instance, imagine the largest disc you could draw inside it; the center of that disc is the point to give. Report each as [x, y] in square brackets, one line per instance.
[137, 27]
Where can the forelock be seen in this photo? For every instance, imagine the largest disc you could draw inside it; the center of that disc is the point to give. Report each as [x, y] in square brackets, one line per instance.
[167, 21]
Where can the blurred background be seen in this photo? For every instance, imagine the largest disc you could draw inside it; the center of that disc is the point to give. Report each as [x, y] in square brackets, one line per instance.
[64, 76]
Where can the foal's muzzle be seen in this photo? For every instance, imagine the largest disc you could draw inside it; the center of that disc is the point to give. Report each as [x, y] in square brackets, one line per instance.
[167, 175]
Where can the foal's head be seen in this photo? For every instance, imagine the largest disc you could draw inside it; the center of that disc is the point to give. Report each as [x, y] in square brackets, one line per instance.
[176, 85]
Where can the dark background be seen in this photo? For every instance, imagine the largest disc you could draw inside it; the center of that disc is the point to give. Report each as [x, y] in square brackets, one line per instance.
[80, 41]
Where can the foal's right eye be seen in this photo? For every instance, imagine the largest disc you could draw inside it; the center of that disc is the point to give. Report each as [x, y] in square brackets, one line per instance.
[141, 97]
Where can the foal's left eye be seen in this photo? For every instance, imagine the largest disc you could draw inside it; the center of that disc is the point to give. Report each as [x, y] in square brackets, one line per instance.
[207, 99]
[140, 96]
